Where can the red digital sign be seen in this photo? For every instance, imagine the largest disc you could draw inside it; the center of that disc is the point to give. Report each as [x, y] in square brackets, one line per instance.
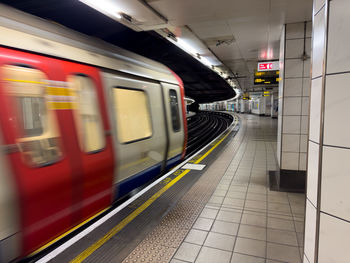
[267, 66]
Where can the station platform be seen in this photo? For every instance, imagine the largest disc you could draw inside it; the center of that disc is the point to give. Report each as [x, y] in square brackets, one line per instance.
[215, 208]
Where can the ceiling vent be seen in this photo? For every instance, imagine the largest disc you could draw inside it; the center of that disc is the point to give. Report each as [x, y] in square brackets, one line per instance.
[218, 41]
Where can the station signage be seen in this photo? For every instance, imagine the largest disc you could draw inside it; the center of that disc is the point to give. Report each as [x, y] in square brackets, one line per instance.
[268, 66]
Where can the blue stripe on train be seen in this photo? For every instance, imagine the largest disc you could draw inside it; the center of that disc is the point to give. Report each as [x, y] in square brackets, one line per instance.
[137, 180]
[129, 184]
[173, 161]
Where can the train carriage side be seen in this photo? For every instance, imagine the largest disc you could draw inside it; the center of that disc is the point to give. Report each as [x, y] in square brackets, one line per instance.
[62, 176]
[147, 126]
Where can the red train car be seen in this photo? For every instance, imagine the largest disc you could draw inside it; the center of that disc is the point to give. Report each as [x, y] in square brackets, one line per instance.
[73, 108]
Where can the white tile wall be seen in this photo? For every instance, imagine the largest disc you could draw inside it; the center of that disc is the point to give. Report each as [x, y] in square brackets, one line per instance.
[304, 128]
[305, 260]
[308, 46]
[294, 48]
[312, 173]
[315, 109]
[307, 68]
[338, 58]
[302, 161]
[290, 142]
[293, 87]
[310, 231]
[337, 99]
[290, 161]
[334, 240]
[306, 86]
[291, 124]
[318, 44]
[335, 182]
[318, 4]
[293, 68]
[309, 29]
[305, 106]
[303, 143]
[292, 106]
[279, 139]
[295, 30]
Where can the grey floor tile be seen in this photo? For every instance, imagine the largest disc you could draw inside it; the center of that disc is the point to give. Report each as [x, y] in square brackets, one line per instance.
[196, 236]
[220, 241]
[174, 260]
[238, 195]
[223, 227]
[211, 255]
[240, 258]
[220, 192]
[255, 219]
[299, 227]
[250, 247]
[216, 200]
[280, 224]
[234, 188]
[187, 252]
[222, 187]
[282, 237]
[253, 232]
[203, 224]
[283, 253]
[257, 190]
[209, 213]
[229, 216]
[259, 205]
[233, 202]
[300, 237]
[280, 208]
[256, 197]
[278, 199]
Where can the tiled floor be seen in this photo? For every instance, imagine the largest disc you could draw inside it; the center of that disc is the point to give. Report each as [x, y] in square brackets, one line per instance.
[244, 221]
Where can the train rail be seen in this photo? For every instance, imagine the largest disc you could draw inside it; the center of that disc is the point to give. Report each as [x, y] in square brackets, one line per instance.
[204, 127]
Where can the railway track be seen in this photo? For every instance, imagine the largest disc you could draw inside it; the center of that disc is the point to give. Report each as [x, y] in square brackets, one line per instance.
[204, 127]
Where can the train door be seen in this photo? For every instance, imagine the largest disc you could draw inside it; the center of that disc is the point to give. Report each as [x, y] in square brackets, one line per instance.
[173, 109]
[33, 141]
[94, 175]
[139, 127]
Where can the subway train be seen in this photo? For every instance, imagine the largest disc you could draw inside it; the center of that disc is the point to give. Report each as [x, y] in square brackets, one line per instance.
[82, 124]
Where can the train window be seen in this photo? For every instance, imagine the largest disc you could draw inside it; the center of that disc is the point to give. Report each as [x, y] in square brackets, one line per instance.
[174, 108]
[132, 114]
[87, 114]
[39, 137]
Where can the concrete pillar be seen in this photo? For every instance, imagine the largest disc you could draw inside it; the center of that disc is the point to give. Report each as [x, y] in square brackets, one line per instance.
[327, 226]
[293, 107]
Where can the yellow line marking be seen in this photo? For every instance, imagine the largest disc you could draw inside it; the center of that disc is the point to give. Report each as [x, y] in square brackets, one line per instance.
[87, 252]
[67, 233]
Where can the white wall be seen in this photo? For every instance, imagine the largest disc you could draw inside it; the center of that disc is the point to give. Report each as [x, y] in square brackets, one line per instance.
[327, 227]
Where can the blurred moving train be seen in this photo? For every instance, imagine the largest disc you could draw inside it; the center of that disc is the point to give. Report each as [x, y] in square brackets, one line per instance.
[82, 123]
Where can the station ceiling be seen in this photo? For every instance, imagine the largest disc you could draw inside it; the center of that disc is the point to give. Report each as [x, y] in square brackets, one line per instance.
[235, 33]
[201, 83]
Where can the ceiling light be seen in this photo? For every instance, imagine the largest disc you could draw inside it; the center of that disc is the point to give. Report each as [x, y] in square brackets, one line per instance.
[187, 47]
[106, 7]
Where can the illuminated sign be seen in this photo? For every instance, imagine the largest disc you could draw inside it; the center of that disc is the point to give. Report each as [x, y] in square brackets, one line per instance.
[268, 66]
[266, 77]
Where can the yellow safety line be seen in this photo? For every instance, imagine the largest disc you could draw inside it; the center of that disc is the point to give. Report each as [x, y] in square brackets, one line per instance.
[67, 233]
[87, 252]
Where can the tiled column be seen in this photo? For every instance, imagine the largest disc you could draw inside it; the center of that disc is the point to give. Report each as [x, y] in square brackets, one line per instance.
[327, 226]
[293, 107]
